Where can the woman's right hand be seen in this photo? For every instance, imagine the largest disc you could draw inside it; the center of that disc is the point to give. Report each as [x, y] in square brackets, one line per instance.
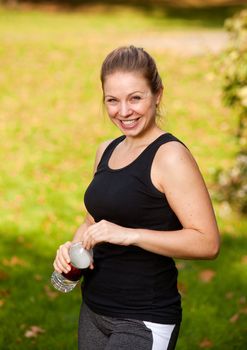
[62, 260]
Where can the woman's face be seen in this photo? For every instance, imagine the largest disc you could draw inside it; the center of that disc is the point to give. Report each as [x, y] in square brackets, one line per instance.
[130, 103]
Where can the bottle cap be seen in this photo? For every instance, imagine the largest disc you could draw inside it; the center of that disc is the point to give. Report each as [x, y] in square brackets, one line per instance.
[79, 256]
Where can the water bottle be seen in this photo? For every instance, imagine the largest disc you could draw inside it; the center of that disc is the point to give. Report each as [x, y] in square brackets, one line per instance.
[80, 259]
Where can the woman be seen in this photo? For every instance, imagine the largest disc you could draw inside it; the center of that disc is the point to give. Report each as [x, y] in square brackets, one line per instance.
[147, 204]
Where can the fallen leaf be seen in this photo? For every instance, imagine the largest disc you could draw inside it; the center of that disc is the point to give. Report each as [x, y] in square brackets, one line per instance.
[41, 199]
[38, 277]
[28, 245]
[229, 295]
[33, 332]
[242, 300]
[182, 288]
[2, 302]
[180, 265]
[206, 344]
[20, 239]
[234, 318]
[244, 259]
[243, 310]
[206, 275]
[50, 293]
[3, 275]
[210, 76]
[14, 261]
[4, 293]
[18, 340]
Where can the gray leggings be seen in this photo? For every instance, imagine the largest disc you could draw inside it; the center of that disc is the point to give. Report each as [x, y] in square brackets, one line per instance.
[97, 332]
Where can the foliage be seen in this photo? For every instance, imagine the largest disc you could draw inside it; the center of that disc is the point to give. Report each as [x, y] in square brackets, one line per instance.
[51, 123]
[233, 183]
[235, 68]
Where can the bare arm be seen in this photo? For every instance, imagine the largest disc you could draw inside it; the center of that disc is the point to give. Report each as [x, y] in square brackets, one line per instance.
[180, 179]
[61, 262]
[175, 173]
[81, 229]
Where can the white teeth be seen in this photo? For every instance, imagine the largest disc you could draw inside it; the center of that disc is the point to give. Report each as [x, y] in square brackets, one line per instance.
[129, 122]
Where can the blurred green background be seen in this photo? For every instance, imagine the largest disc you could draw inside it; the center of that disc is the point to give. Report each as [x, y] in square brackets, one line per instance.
[51, 122]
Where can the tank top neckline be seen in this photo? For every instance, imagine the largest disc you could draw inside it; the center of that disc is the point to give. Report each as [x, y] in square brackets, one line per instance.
[119, 140]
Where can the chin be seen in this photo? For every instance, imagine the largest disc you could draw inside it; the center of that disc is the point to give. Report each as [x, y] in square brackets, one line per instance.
[137, 131]
[132, 133]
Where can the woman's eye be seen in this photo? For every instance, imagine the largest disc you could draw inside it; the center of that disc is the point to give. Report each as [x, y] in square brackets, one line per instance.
[111, 100]
[136, 98]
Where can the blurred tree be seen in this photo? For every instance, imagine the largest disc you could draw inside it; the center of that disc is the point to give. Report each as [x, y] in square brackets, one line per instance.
[235, 70]
[146, 3]
[209, 13]
[233, 184]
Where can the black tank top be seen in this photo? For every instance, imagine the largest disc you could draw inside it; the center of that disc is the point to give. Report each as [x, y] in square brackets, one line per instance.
[128, 281]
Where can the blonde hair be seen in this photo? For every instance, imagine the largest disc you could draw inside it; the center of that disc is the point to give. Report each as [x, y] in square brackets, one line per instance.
[132, 59]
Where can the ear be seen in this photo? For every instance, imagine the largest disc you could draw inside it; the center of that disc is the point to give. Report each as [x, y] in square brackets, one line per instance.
[159, 96]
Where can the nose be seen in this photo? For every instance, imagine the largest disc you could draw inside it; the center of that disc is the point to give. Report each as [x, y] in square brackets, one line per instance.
[124, 110]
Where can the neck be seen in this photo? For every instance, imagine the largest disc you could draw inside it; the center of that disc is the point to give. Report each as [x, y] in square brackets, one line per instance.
[143, 139]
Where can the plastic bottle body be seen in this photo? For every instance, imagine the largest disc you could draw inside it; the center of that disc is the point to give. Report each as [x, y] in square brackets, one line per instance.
[61, 283]
[80, 259]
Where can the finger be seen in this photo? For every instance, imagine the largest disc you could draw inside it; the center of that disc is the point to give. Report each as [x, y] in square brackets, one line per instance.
[56, 268]
[60, 260]
[63, 268]
[87, 238]
[87, 245]
[93, 235]
[62, 263]
[90, 243]
[65, 251]
[95, 238]
[63, 254]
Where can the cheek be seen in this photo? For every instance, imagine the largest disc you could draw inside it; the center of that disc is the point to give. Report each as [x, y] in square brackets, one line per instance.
[111, 111]
[145, 108]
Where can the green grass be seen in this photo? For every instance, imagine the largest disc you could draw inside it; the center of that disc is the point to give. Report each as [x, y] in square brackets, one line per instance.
[51, 123]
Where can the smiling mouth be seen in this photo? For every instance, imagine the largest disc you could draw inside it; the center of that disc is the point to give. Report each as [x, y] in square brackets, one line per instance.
[130, 122]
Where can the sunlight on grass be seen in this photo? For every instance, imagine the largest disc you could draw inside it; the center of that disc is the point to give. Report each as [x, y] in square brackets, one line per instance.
[51, 122]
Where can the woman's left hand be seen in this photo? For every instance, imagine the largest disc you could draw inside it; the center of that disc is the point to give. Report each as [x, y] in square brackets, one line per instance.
[105, 231]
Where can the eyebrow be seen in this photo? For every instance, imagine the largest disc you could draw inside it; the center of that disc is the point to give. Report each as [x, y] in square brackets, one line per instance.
[134, 92]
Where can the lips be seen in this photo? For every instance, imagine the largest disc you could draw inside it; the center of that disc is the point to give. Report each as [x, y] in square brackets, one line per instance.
[129, 124]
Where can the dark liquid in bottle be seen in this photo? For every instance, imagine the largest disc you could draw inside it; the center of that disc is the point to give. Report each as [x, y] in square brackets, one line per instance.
[74, 274]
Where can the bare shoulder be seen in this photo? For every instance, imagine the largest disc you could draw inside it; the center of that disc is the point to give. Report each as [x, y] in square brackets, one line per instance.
[101, 149]
[174, 154]
[174, 165]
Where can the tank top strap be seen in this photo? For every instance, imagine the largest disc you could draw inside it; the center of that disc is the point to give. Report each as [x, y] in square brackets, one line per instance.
[103, 163]
[145, 159]
[162, 139]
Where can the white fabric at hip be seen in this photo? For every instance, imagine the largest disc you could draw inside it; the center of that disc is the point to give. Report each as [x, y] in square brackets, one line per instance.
[161, 334]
